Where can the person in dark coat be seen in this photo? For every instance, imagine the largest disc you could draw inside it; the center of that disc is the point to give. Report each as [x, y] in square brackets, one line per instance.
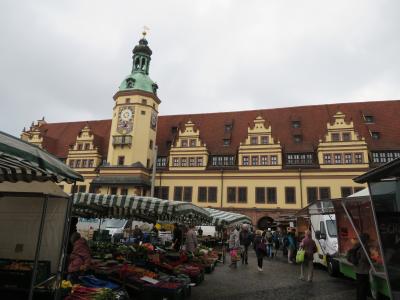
[245, 241]
[259, 245]
[177, 237]
[362, 268]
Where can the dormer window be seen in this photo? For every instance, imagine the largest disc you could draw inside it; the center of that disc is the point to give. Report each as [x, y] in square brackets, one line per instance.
[192, 143]
[296, 124]
[228, 127]
[375, 135]
[184, 143]
[369, 118]
[130, 82]
[254, 140]
[79, 146]
[174, 129]
[227, 142]
[297, 138]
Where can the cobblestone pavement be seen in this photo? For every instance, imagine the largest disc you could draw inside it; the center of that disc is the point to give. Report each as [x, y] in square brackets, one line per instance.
[279, 281]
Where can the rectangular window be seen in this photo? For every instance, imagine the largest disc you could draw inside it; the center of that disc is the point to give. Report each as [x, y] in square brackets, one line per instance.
[338, 158]
[212, 194]
[151, 144]
[124, 191]
[82, 188]
[178, 190]
[227, 142]
[245, 160]
[184, 143]
[346, 191]
[335, 137]
[375, 135]
[271, 195]
[346, 137]
[114, 190]
[161, 161]
[327, 159]
[265, 139]
[175, 162]
[369, 119]
[202, 194]
[187, 193]
[161, 192]
[121, 160]
[254, 160]
[348, 158]
[231, 194]
[228, 127]
[192, 162]
[84, 163]
[78, 163]
[87, 146]
[199, 161]
[264, 160]
[80, 146]
[193, 143]
[74, 189]
[183, 162]
[312, 194]
[290, 195]
[324, 193]
[300, 159]
[254, 140]
[242, 194]
[358, 158]
[274, 160]
[71, 163]
[260, 195]
[91, 163]
[61, 186]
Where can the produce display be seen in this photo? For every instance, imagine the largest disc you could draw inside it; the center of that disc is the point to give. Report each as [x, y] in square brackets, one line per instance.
[84, 293]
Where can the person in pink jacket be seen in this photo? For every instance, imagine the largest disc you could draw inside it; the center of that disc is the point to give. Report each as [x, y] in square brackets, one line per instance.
[80, 258]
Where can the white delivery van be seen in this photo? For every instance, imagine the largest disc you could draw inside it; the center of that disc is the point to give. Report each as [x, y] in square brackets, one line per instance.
[324, 232]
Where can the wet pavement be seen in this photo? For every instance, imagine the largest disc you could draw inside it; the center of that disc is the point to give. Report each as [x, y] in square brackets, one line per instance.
[279, 280]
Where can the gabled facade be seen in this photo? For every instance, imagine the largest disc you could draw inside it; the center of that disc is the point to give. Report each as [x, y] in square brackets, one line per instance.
[265, 163]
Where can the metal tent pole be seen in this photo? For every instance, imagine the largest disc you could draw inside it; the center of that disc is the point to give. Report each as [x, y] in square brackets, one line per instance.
[38, 245]
[65, 240]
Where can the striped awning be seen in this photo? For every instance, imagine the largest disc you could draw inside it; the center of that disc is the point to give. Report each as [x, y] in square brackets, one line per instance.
[147, 208]
[21, 161]
[220, 217]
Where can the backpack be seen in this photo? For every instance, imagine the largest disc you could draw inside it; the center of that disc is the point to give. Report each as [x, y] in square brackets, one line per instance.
[352, 255]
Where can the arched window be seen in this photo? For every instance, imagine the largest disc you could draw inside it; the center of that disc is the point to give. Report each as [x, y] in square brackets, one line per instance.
[143, 63]
[137, 63]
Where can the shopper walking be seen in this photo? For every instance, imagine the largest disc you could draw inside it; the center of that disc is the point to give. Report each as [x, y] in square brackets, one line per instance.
[259, 245]
[309, 246]
[268, 237]
[245, 241]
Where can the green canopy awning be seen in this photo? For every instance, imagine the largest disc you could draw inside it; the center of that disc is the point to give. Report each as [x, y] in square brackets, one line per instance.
[21, 161]
[148, 208]
[220, 217]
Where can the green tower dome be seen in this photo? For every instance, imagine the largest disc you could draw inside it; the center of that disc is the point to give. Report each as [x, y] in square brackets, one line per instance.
[139, 78]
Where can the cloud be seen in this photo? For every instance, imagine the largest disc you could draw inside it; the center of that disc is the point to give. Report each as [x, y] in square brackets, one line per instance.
[65, 60]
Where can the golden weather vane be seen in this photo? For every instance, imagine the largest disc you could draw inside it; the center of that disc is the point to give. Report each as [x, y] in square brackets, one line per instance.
[145, 31]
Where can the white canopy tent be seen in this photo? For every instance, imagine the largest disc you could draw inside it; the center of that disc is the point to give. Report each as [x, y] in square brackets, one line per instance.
[21, 206]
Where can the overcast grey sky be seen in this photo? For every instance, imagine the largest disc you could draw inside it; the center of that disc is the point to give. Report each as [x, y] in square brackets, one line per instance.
[65, 59]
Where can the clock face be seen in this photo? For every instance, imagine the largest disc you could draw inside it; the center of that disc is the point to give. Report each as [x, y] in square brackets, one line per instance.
[125, 120]
[125, 114]
[153, 121]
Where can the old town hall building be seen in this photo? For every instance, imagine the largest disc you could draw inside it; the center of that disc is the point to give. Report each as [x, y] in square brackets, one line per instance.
[266, 163]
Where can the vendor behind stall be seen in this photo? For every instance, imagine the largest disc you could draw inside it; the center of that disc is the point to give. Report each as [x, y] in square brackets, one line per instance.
[80, 257]
[177, 237]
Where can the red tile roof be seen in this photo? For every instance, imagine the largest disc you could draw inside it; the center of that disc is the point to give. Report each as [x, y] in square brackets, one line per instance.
[313, 119]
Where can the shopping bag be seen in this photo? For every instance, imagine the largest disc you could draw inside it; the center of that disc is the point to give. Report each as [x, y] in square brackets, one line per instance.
[300, 255]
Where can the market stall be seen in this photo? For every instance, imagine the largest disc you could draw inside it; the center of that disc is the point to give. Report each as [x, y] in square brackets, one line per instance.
[33, 216]
[147, 270]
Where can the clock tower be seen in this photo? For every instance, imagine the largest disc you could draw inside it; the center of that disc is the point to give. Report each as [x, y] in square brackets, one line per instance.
[133, 130]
